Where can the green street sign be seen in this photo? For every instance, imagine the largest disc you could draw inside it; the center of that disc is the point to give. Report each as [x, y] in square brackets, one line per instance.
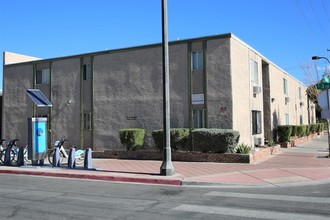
[323, 86]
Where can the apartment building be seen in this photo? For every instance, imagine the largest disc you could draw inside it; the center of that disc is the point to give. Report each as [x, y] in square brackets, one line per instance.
[215, 82]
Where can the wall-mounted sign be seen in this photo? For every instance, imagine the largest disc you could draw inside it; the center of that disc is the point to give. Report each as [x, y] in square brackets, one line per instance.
[197, 99]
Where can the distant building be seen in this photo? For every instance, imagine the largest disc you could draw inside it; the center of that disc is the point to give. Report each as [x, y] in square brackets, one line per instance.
[215, 82]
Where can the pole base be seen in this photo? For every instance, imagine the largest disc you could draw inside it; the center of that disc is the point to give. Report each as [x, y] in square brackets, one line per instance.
[167, 169]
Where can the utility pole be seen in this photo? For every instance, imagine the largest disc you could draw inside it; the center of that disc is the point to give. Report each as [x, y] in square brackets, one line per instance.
[166, 168]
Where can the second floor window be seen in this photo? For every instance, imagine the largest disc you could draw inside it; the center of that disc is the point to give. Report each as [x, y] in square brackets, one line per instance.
[87, 71]
[197, 60]
[254, 71]
[43, 76]
[285, 86]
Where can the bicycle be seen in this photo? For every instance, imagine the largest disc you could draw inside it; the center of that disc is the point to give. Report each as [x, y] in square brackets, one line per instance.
[79, 154]
[15, 149]
[4, 149]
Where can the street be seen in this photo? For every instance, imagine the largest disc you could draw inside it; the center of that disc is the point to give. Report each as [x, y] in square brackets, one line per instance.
[28, 197]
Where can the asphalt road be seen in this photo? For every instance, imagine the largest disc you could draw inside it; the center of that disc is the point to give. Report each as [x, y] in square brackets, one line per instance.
[28, 197]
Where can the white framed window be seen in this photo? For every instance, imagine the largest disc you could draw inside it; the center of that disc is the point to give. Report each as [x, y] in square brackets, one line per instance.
[197, 60]
[256, 122]
[88, 121]
[254, 71]
[43, 76]
[198, 116]
[86, 71]
[285, 86]
[287, 119]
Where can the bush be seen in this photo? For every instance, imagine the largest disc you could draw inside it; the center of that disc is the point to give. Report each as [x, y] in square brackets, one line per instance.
[214, 140]
[301, 130]
[284, 133]
[320, 127]
[243, 149]
[179, 138]
[132, 138]
[313, 128]
[294, 130]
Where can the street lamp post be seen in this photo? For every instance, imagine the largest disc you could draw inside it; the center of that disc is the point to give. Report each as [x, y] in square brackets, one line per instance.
[328, 106]
[166, 168]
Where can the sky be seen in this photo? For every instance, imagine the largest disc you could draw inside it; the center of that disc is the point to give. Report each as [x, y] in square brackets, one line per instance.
[286, 32]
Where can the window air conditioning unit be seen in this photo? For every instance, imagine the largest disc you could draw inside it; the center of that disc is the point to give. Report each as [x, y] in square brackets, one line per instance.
[258, 141]
[301, 103]
[256, 89]
[287, 99]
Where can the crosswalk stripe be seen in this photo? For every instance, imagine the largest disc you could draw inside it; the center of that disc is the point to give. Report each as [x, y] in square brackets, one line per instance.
[322, 200]
[247, 213]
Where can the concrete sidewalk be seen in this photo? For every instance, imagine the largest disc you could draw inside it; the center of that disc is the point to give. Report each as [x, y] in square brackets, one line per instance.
[305, 164]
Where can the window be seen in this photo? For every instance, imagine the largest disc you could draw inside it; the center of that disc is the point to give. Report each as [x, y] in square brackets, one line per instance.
[301, 120]
[198, 118]
[256, 122]
[285, 86]
[197, 60]
[287, 119]
[42, 76]
[254, 71]
[299, 93]
[88, 121]
[86, 71]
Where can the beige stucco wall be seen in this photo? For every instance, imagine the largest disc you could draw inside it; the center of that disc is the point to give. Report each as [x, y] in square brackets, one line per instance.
[11, 58]
[128, 93]
[66, 100]
[219, 91]
[17, 107]
[279, 107]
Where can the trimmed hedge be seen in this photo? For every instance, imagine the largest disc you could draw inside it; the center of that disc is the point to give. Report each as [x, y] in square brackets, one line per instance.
[301, 130]
[132, 138]
[294, 130]
[284, 133]
[308, 128]
[214, 140]
[320, 127]
[313, 128]
[179, 138]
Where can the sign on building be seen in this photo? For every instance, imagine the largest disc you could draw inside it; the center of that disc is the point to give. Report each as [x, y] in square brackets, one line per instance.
[197, 99]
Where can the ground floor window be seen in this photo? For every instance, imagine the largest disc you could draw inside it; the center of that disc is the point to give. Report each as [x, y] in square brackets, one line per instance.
[287, 119]
[87, 121]
[301, 119]
[256, 122]
[198, 117]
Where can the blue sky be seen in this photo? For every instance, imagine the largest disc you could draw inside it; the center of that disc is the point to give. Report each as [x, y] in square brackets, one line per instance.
[287, 32]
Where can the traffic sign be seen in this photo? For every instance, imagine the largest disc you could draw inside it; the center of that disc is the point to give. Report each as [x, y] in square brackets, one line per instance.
[323, 86]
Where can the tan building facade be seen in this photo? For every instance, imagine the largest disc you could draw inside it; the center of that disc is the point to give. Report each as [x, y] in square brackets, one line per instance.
[215, 82]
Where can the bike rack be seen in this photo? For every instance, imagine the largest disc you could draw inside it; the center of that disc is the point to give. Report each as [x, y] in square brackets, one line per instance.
[72, 158]
[20, 157]
[7, 156]
[56, 157]
[88, 159]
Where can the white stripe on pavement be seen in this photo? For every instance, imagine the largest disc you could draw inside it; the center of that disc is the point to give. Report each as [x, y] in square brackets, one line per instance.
[247, 213]
[322, 200]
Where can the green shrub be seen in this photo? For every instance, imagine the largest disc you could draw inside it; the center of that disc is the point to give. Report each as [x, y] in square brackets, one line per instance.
[132, 138]
[214, 140]
[301, 130]
[243, 149]
[284, 133]
[179, 138]
[294, 130]
[320, 127]
[313, 128]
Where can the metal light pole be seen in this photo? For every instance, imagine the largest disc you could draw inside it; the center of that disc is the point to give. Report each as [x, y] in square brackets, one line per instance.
[166, 168]
[328, 105]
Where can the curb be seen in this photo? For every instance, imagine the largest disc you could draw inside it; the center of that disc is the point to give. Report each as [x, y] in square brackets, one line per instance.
[173, 182]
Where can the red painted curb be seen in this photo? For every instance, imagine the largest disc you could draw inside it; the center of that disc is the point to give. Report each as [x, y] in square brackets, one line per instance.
[174, 182]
